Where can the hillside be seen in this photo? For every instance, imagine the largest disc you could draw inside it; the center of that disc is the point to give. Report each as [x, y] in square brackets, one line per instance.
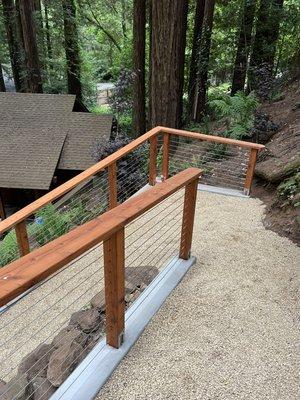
[277, 171]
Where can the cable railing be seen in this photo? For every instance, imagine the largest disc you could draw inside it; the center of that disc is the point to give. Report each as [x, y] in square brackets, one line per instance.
[83, 282]
[225, 162]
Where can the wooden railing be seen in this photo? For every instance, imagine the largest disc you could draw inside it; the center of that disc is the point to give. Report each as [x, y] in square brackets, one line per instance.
[18, 220]
[35, 267]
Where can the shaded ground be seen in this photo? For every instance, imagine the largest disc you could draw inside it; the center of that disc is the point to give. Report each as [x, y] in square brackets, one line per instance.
[230, 330]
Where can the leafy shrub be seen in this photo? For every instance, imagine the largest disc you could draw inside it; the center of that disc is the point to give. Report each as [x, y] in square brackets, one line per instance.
[237, 112]
[288, 188]
[8, 249]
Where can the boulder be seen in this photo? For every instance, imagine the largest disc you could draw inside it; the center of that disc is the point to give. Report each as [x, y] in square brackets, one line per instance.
[62, 362]
[98, 301]
[35, 364]
[41, 389]
[275, 170]
[69, 335]
[16, 389]
[87, 320]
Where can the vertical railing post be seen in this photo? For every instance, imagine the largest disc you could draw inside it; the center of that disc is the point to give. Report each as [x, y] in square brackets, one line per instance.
[166, 155]
[188, 219]
[250, 171]
[153, 161]
[112, 185]
[2, 208]
[114, 273]
[22, 238]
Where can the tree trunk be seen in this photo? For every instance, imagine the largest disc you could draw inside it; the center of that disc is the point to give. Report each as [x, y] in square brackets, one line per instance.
[243, 49]
[199, 15]
[2, 84]
[72, 48]
[30, 46]
[139, 43]
[264, 47]
[203, 61]
[15, 50]
[169, 21]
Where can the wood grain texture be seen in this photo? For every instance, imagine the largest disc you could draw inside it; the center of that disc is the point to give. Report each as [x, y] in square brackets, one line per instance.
[114, 273]
[250, 170]
[112, 185]
[153, 161]
[188, 219]
[22, 238]
[24, 273]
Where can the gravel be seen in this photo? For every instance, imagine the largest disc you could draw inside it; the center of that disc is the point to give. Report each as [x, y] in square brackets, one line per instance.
[230, 330]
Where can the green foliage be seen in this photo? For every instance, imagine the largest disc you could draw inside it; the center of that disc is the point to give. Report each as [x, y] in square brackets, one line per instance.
[237, 112]
[8, 249]
[288, 188]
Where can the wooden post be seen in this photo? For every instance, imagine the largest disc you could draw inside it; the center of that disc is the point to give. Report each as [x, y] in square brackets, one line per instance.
[22, 238]
[2, 209]
[166, 155]
[250, 171]
[112, 185]
[114, 272]
[153, 161]
[188, 219]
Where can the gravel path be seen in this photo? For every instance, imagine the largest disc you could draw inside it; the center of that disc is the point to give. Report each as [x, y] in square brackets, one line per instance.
[230, 330]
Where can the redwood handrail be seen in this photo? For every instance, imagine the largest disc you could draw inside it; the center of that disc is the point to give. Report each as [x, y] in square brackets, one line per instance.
[24, 273]
[16, 220]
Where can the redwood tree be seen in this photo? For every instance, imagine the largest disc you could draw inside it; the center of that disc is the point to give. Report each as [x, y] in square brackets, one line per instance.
[27, 9]
[139, 42]
[244, 46]
[14, 44]
[169, 21]
[264, 46]
[2, 84]
[203, 61]
[72, 48]
[199, 15]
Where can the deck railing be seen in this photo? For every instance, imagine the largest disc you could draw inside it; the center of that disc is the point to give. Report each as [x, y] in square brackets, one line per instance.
[166, 154]
[38, 319]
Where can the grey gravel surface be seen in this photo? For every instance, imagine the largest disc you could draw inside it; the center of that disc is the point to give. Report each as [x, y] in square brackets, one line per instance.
[230, 330]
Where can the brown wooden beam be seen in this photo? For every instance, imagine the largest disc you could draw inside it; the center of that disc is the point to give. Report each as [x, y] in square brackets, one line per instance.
[22, 238]
[250, 171]
[153, 161]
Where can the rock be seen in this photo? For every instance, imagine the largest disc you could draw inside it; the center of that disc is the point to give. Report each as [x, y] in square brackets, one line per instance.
[136, 276]
[277, 169]
[35, 364]
[69, 335]
[62, 362]
[131, 297]
[16, 389]
[2, 384]
[87, 320]
[296, 199]
[41, 389]
[98, 301]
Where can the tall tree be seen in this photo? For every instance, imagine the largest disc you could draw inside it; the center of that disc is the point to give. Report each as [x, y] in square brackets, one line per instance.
[199, 15]
[139, 43]
[13, 38]
[203, 61]
[72, 48]
[47, 29]
[2, 84]
[264, 46]
[169, 21]
[244, 46]
[27, 9]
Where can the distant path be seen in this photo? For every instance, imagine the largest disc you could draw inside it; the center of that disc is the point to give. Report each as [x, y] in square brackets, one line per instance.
[231, 329]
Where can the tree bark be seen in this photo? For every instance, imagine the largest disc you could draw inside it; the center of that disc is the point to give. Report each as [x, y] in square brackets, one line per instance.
[27, 8]
[244, 46]
[15, 50]
[139, 54]
[203, 61]
[169, 21]
[264, 46]
[199, 15]
[2, 84]
[72, 48]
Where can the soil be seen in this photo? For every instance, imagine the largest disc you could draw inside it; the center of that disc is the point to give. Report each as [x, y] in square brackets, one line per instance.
[280, 214]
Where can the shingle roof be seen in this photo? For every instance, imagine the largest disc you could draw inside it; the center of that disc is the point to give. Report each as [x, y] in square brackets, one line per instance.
[29, 157]
[35, 103]
[84, 130]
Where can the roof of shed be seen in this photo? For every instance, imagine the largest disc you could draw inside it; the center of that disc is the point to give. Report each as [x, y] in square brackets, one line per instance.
[35, 103]
[29, 157]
